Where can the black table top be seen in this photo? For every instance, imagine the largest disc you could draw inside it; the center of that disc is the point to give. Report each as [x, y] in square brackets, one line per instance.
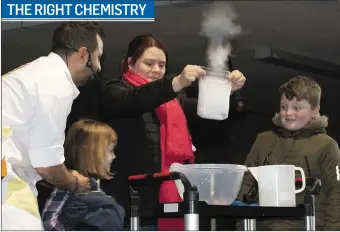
[227, 211]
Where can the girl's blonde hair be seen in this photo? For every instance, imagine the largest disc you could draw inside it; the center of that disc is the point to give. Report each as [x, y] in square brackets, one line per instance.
[85, 147]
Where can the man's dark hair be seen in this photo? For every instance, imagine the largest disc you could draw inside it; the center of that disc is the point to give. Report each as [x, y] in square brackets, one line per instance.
[71, 36]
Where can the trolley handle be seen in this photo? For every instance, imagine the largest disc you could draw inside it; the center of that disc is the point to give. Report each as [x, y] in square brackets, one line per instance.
[314, 185]
[191, 197]
[160, 177]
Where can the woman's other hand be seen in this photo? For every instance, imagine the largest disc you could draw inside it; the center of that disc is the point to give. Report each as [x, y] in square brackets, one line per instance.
[237, 79]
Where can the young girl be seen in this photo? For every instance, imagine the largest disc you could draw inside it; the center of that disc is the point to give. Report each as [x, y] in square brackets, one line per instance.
[89, 149]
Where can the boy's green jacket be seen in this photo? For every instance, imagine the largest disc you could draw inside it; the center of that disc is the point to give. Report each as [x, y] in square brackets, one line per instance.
[310, 146]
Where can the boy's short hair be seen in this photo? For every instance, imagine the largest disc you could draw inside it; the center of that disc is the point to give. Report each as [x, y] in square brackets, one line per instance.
[303, 88]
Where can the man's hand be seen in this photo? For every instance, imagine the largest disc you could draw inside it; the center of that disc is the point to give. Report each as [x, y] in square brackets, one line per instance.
[83, 182]
[60, 177]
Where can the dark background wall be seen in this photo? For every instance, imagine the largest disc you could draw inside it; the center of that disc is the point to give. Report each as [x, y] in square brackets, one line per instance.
[311, 28]
[305, 27]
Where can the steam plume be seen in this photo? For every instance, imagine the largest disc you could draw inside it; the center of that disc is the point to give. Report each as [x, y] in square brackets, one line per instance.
[218, 26]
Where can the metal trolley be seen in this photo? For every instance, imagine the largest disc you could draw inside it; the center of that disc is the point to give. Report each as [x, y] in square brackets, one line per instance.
[192, 210]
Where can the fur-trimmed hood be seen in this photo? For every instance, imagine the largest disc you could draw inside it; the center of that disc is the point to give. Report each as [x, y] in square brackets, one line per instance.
[316, 126]
[321, 121]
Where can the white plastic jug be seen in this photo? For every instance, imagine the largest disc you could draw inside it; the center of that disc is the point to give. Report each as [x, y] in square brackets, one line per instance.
[276, 184]
[214, 95]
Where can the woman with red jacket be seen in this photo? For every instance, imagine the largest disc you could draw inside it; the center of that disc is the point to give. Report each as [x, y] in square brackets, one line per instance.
[146, 110]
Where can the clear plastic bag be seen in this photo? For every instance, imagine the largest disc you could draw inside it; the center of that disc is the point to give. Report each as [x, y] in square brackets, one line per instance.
[214, 95]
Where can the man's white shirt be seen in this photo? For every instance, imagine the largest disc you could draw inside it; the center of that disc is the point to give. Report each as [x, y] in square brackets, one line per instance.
[36, 101]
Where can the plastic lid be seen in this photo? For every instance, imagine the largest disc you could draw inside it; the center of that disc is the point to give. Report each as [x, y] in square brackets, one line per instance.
[214, 166]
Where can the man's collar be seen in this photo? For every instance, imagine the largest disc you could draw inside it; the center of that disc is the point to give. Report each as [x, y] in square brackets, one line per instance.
[62, 65]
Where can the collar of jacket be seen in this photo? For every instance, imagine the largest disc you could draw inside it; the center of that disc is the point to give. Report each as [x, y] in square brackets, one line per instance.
[316, 126]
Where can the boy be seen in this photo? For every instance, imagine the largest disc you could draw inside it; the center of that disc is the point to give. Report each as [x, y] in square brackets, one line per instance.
[300, 139]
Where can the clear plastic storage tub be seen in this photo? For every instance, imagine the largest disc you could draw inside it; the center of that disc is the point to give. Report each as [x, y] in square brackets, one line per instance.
[217, 184]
